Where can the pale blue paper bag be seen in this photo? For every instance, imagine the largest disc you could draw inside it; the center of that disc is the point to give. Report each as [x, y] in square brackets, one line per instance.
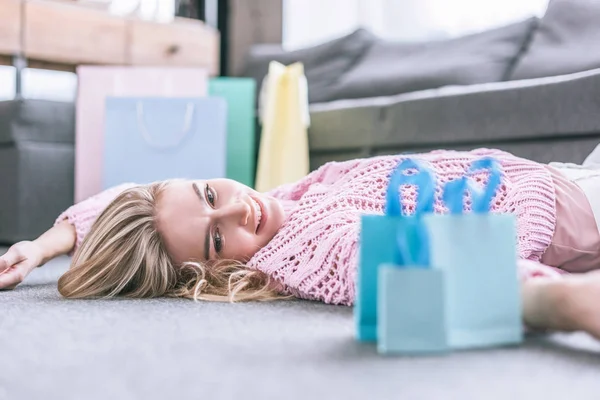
[419, 326]
[152, 139]
[394, 257]
[477, 252]
[431, 283]
[411, 294]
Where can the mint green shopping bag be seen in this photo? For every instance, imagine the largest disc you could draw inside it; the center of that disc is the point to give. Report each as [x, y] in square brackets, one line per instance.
[240, 95]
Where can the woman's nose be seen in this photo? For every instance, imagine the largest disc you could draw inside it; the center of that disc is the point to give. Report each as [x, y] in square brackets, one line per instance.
[238, 211]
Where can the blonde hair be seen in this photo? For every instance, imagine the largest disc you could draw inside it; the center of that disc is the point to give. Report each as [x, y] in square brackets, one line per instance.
[124, 255]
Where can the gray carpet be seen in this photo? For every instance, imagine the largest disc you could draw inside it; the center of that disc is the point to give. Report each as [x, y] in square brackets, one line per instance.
[52, 348]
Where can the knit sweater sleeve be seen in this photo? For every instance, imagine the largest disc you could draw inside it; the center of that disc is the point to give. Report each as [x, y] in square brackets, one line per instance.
[83, 215]
[326, 174]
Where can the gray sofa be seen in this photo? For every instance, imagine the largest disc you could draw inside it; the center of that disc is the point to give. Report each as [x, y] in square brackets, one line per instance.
[531, 88]
[544, 119]
[36, 165]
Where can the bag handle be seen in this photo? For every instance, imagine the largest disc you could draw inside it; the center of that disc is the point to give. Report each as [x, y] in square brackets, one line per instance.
[481, 199]
[423, 179]
[150, 141]
[412, 238]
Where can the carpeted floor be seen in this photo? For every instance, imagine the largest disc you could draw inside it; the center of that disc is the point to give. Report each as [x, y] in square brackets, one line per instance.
[52, 348]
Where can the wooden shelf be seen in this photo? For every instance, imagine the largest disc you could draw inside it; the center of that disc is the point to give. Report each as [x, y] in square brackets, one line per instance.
[10, 26]
[70, 34]
[61, 34]
[182, 43]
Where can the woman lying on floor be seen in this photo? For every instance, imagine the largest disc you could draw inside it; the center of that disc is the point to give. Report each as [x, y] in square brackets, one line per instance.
[220, 240]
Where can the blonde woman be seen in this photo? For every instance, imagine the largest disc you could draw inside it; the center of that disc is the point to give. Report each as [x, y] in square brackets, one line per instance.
[222, 241]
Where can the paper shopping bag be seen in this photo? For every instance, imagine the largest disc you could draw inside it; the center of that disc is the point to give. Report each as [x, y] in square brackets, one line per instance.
[478, 254]
[96, 83]
[411, 310]
[283, 151]
[400, 297]
[444, 282]
[152, 139]
[240, 95]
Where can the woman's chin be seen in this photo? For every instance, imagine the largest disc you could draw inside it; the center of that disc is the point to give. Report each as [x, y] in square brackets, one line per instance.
[275, 216]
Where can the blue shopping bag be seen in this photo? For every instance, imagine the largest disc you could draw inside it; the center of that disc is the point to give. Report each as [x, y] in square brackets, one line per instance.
[431, 283]
[152, 139]
[477, 252]
[399, 296]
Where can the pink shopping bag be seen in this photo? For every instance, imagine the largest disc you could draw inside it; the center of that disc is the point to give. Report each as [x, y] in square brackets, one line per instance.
[95, 85]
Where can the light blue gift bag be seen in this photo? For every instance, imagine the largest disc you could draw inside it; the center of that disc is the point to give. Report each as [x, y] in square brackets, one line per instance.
[394, 258]
[411, 295]
[478, 253]
[152, 139]
[431, 283]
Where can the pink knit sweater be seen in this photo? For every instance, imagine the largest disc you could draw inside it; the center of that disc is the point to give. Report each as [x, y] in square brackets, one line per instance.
[314, 254]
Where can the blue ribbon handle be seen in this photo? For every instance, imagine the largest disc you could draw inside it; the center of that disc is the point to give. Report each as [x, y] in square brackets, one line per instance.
[412, 238]
[423, 179]
[481, 200]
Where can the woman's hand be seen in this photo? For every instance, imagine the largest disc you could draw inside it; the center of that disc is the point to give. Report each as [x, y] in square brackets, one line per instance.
[24, 257]
[577, 304]
[18, 262]
[569, 304]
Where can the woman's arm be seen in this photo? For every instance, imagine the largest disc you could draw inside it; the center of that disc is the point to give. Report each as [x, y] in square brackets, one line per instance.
[24, 257]
[64, 237]
[56, 241]
[558, 301]
[568, 304]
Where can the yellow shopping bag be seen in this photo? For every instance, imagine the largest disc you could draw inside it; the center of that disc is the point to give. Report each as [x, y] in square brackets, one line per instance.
[283, 153]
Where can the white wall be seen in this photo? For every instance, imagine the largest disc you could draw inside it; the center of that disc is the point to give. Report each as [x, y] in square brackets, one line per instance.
[39, 84]
[309, 22]
[7, 83]
[306, 22]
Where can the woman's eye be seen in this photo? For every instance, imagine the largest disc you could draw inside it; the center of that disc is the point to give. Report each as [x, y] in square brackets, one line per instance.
[210, 195]
[218, 241]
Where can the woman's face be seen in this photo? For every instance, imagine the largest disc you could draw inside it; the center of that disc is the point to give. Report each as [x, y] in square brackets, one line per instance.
[216, 219]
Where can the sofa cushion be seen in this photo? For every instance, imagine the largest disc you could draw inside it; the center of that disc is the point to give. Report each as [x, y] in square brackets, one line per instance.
[323, 64]
[560, 108]
[392, 68]
[37, 121]
[40, 181]
[566, 41]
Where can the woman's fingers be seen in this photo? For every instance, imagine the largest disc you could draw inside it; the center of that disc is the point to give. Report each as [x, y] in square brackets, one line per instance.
[11, 278]
[12, 257]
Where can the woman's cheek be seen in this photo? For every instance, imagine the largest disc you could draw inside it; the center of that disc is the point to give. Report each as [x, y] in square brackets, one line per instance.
[242, 247]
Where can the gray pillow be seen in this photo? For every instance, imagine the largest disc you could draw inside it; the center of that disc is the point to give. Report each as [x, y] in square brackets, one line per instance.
[392, 68]
[323, 64]
[567, 41]
[36, 121]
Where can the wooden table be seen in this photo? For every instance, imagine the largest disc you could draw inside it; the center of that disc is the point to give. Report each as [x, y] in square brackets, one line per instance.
[60, 35]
